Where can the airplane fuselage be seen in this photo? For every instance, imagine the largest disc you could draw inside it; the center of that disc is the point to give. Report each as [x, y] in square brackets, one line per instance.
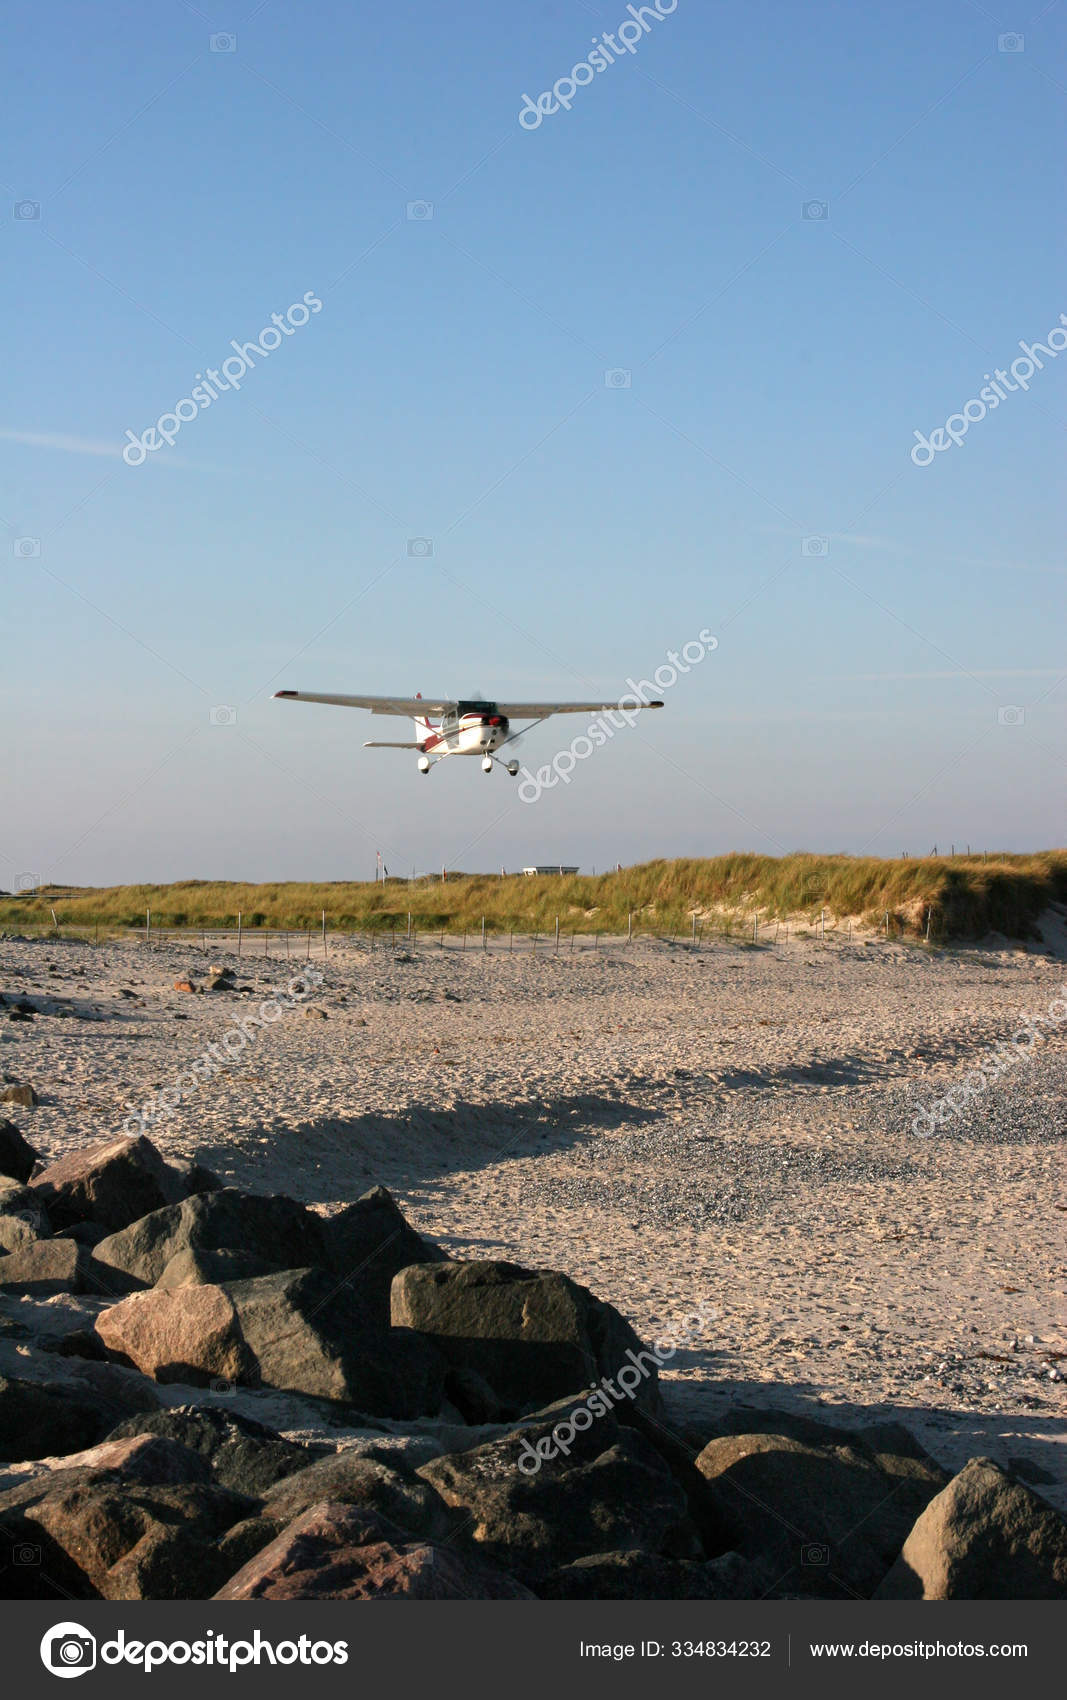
[475, 732]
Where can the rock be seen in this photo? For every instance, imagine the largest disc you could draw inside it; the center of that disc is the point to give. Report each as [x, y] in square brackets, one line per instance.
[313, 1013]
[184, 986]
[17, 1156]
[293, 1330]
[984, 1537]
[195, 1268]
[274, 1232]
[19, 1094]
[113, 1183]
[42, 1267]
[534, 1336]
[613, 1491]
[41, 1422]
[343, 1552]
[79, 1343]
[242, 1454]
[193, 1177]
[135, 1543]
[828, 1518]
[353, 1479]
[220, 981]
[16, 1232]
[637, 1575]
[190, 1335]
[16, 1200]
[369, 1242]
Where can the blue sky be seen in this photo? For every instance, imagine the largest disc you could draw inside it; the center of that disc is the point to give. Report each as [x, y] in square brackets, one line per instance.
[865, 696]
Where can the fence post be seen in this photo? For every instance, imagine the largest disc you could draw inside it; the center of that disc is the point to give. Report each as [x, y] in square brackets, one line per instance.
[755, 933]
[148, 927]
[928, 913]
[887, 923]
[557, 935]
[777, 924]
[483, 932]
[324, 935]
[629, 926]
[238, 932]
[694, 927]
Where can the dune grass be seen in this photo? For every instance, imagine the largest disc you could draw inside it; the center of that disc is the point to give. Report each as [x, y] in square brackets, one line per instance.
[968, 896]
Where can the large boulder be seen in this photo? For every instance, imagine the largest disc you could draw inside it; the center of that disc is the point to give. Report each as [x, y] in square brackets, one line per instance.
[42, 1421]
[112, 1183]
[533, 1335]
[295, 1330]
[137, 1543]
[247, 1233]
[343, 1552]
[242, 1454]
[369, 1242]
[42, 1268]
[190, 1335]
[532, 1513]
[984, 1537]
[352, 1478]
[70, 1525]
[830, 1517]
[15, 1233]
[17, 1156]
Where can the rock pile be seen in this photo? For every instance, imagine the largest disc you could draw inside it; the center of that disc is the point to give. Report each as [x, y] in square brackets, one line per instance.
[483, 1431]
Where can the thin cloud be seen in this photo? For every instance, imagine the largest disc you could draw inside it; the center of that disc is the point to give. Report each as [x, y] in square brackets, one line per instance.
[69, 445]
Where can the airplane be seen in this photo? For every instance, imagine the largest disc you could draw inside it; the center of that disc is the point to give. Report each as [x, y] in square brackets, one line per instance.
[464, 727]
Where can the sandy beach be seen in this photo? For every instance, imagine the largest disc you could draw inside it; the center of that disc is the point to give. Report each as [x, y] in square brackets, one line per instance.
[671, 1126]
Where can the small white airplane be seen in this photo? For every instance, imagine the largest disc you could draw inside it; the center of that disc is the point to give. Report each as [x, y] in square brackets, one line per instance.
[464, 728]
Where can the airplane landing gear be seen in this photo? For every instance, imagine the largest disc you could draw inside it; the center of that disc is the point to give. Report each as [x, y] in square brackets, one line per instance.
[424, 764]
[487, 764]
[512, 767]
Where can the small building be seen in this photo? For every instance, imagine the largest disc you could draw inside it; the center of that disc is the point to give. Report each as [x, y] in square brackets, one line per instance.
[556, 868]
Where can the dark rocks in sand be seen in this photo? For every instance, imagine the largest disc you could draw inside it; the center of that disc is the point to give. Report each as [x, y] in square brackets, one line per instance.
[42, 1268]
[344, 1552]
[613, 1491]
[252, 1232]
[369, 1242]
[532, 1335]
[984, 1537]
[17, 1156]
[38, 1421]
[113, 1183]
[295, 1330]
[103, 1525]
[242, 1454]
[828, 1517]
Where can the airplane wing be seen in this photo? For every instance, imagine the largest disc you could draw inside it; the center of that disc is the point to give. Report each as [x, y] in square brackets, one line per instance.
[541, 710]
[410, 707]
[373, 744]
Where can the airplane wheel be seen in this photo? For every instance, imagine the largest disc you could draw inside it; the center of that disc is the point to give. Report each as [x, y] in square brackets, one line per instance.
[513, 768]
[424, 764]
[487, 765]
